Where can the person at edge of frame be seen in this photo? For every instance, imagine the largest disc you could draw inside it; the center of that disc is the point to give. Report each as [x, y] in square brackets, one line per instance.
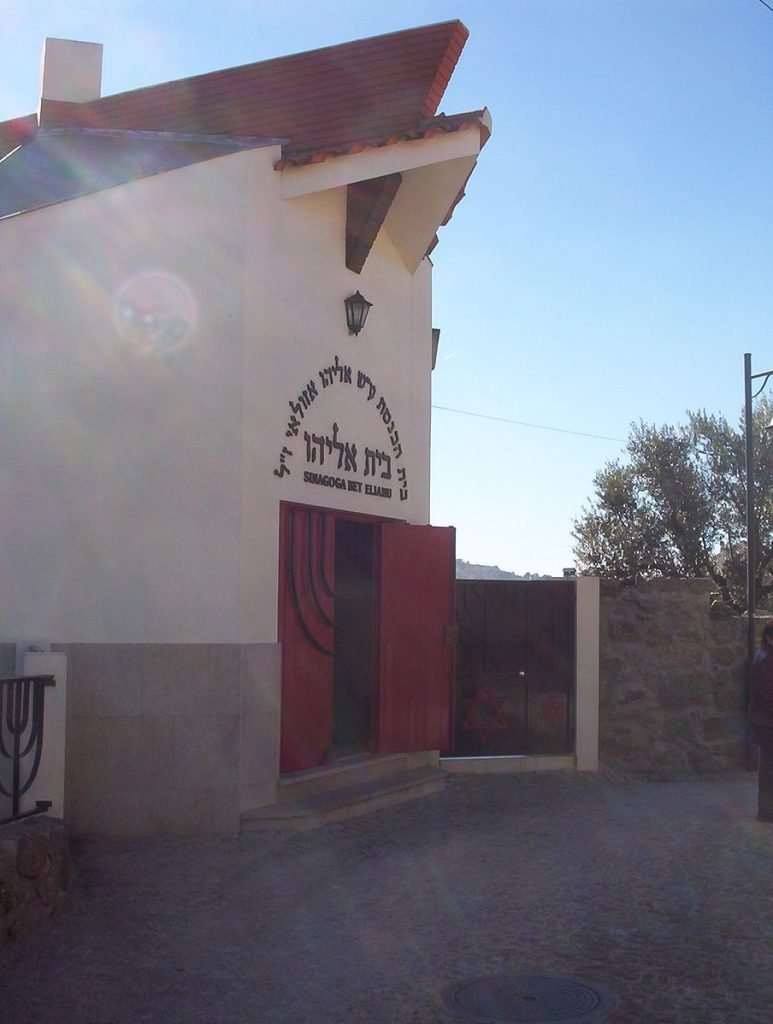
[761, 719]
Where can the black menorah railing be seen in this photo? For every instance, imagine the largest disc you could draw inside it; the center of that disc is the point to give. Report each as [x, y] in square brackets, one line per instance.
[22, 705]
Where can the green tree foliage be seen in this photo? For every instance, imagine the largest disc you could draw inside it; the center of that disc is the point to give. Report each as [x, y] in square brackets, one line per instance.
[676, 506]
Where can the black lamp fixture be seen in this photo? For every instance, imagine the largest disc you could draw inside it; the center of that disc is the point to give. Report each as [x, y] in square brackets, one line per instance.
[357, 309]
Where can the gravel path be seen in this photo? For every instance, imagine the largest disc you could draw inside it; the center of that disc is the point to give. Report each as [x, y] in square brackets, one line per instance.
[661, 893]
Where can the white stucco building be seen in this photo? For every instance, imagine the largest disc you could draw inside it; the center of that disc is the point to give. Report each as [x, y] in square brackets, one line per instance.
[196, 454]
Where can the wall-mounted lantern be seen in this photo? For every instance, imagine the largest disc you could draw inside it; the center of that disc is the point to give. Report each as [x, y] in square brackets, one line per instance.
[357, 309]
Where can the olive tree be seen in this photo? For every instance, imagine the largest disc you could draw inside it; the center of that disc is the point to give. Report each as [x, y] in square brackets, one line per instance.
[676, 506]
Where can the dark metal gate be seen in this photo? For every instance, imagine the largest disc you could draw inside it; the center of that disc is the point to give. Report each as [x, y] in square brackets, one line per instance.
[515, 667]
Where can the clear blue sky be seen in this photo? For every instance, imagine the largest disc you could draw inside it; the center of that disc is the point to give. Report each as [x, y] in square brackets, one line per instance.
[613, 258]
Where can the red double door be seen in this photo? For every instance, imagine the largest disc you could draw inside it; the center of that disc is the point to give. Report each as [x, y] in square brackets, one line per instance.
[366, 613]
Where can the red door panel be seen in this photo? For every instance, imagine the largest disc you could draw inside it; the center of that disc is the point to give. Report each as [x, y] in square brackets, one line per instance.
[306, 562]
[415, 653]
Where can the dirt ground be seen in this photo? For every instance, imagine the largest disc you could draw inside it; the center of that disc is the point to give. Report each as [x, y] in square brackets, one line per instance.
[661, 893]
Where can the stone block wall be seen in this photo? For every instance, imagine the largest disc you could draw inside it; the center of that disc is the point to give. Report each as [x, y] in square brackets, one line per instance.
[169, 739]
[35, 875]
[672, 679]
[165, 739]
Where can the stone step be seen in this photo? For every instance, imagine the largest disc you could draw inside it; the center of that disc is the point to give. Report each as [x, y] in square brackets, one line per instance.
[350, 771]
[323, 808]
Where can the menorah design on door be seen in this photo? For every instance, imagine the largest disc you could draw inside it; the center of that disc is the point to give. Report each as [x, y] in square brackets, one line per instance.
[22, 702]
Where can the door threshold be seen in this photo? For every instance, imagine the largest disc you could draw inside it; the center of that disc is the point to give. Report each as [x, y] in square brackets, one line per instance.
[501, 764]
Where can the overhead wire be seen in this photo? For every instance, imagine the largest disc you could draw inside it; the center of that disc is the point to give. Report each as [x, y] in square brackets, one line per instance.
[523, 423]
[544, 426]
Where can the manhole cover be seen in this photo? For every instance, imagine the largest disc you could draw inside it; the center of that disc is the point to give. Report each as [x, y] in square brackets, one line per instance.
[527, 999]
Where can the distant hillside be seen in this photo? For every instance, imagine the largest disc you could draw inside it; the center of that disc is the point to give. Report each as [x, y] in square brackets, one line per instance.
[471, 571]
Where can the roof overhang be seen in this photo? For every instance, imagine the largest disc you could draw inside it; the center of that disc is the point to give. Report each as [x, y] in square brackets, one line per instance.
[377, 160]
[433, 172]
[423, 204]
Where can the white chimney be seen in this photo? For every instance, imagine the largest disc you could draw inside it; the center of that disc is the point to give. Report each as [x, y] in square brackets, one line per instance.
[71, 71]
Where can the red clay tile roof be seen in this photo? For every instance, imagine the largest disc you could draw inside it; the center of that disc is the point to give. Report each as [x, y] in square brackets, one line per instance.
[13, 133]
[371, 88]
[425, 129]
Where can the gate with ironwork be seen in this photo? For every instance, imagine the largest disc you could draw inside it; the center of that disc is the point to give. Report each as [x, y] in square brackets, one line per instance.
[515, 667]
[22, 706]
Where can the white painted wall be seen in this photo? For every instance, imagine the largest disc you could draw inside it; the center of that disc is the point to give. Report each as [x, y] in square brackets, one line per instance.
[587, 674]
[120, 442]
[140, 499]
[300, 331]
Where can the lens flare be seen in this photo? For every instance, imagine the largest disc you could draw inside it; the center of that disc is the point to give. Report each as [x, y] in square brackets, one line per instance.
[156, 313]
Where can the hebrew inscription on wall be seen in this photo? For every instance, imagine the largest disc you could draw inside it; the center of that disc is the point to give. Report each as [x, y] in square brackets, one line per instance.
[332, 460]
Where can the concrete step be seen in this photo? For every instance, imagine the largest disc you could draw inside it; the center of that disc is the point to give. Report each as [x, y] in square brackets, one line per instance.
[350, 771]
[349, 801]
[502, 764]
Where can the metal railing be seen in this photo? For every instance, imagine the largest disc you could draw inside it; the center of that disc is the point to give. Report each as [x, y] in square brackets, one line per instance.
[22, 706]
